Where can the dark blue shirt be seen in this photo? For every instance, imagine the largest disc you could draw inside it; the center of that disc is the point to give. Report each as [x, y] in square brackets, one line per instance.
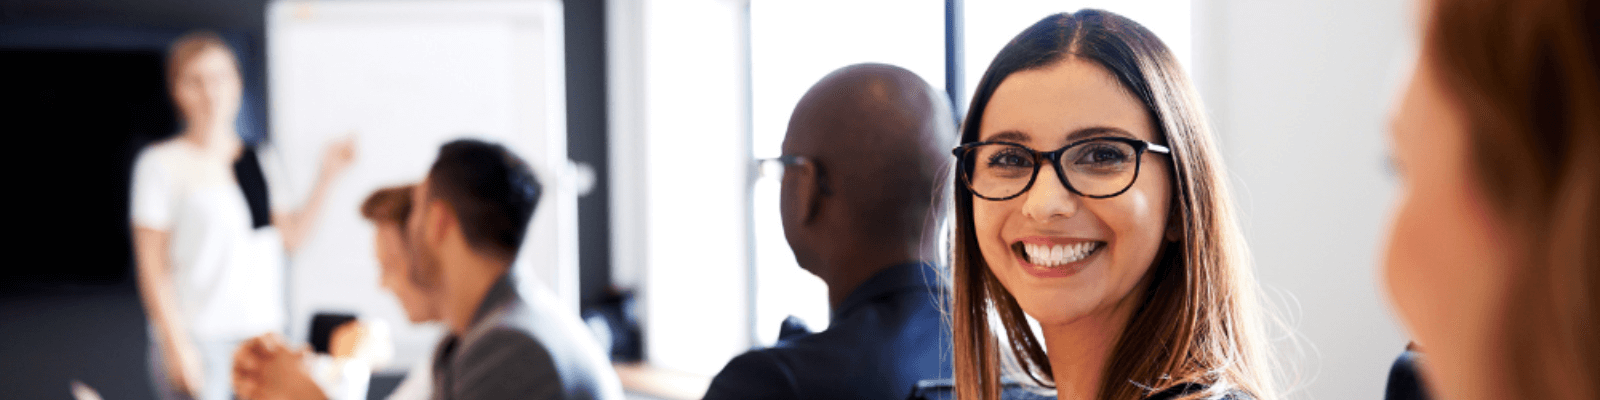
[1405, 379]
[883, 338]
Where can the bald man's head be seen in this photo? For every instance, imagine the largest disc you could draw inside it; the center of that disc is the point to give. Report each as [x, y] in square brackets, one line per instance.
[879, 137]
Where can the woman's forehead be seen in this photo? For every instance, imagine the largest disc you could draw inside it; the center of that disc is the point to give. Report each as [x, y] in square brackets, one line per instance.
[1054, 105]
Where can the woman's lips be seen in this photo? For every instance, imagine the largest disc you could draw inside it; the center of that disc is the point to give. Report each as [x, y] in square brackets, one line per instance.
[1052, 259]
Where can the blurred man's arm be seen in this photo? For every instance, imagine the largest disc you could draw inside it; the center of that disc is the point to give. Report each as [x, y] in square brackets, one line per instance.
[181, 358]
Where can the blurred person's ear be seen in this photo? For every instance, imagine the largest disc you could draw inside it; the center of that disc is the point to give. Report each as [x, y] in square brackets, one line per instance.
[437, 220]
[808, 191]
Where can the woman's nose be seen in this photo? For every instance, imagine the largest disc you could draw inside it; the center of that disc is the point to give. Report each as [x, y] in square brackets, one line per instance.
[1049, 198]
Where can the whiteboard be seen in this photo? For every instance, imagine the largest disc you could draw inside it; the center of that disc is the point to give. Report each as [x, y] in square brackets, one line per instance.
[405, 77]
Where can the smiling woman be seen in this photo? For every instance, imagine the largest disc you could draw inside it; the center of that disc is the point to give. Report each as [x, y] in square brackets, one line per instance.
[1125, 250]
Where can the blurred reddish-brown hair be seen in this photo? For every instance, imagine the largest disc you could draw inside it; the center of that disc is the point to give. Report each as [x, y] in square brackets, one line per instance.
[389, 205]
[1526, 73]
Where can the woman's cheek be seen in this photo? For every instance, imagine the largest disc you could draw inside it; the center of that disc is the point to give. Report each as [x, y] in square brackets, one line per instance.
[1138, 221]
[988, 220]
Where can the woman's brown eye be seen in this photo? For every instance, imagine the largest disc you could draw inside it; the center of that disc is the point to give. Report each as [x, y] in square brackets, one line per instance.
[1010, 159]
[1102, 156]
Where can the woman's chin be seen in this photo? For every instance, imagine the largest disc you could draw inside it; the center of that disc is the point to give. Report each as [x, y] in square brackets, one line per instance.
[1055, 310]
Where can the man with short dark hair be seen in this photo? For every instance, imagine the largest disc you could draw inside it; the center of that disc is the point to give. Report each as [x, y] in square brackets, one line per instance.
[468, 219]
[865, 151]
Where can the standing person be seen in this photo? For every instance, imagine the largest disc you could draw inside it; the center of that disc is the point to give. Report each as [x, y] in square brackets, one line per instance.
[1493, 260]
[468, 218]
[1092, 198]
[864, 152]
[210, 260]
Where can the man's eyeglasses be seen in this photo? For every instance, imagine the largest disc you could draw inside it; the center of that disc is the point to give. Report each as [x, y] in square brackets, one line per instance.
[773, 167]
[1097, 168]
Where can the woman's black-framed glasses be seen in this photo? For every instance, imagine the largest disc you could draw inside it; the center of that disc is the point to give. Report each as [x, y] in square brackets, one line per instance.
[1096, 168]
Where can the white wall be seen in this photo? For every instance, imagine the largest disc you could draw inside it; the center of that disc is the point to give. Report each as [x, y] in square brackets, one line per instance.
[1298, 91]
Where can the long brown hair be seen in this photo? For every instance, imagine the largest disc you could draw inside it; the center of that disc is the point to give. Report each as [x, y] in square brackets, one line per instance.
[1526, 73]
[1197, 321]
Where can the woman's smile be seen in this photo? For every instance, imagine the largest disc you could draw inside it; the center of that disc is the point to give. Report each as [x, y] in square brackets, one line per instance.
[1056, 257]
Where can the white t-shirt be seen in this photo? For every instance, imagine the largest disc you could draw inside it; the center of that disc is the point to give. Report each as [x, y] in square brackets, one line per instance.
[227, 275]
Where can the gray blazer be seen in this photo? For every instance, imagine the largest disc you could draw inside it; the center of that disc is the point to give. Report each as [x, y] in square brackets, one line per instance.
[521, 350]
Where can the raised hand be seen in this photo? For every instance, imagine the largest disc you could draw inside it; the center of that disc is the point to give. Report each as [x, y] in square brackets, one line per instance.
[339, 155]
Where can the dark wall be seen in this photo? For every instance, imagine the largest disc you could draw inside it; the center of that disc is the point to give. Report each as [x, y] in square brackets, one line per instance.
[82, 89]
[84, 86]
[52, 95]
[181, 14]
[147, 25]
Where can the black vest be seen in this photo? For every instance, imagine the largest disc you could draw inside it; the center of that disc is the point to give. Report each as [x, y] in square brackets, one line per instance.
[247, 171]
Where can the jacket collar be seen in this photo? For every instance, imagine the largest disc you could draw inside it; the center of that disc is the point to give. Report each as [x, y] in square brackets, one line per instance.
[918, 275]
[501, 292]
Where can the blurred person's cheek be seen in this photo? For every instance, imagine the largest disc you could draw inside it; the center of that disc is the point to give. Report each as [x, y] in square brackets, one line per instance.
[227, 94]
[190, 99]
[1444, 267]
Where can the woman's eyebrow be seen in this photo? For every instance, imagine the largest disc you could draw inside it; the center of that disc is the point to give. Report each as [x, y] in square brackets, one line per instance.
[1095, 131]
[1010, 136]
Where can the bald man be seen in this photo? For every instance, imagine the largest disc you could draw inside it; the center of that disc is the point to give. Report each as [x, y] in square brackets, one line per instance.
[863, 155]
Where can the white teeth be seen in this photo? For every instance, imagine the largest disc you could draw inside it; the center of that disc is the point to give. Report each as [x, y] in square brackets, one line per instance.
[1061, 254]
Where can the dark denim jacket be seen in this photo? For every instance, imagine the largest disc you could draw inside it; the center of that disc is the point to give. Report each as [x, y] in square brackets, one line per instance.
[883, 338]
